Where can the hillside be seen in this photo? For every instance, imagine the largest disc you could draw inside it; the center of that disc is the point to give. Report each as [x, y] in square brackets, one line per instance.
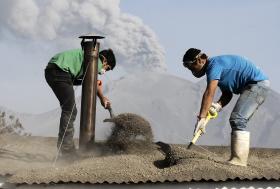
[170, 104]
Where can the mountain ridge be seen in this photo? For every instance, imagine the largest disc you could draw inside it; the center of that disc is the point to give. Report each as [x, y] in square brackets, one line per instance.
[170, 104]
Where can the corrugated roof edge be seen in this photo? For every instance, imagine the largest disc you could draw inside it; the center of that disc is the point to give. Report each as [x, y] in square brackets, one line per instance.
[277, 178]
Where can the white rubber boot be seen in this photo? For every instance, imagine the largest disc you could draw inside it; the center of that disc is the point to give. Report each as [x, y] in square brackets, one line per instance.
[240, 144]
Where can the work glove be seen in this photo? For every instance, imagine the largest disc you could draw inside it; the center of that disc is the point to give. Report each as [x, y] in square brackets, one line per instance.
[200, 125]
[105, 102]
[215, 108]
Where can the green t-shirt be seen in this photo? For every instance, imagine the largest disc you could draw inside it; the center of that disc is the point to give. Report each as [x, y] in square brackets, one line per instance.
[71, 61]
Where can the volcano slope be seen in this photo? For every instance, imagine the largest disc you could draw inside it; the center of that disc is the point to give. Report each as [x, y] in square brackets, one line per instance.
[128, 156]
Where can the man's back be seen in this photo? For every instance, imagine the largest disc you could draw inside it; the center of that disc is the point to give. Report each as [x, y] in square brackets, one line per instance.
[69, 61]
[233, 72]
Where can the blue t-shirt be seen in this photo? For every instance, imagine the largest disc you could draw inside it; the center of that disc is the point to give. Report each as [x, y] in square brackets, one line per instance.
[233, 72]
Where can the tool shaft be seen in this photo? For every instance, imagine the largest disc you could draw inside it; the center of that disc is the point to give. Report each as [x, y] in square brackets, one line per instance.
[199, 132]
[196, 136]
[111, 112]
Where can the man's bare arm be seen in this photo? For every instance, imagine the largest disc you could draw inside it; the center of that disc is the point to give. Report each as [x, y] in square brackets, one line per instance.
[208, 97]
[99, 89]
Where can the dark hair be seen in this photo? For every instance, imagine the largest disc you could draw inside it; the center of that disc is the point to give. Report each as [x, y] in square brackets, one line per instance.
[109, 55]
[190, 55]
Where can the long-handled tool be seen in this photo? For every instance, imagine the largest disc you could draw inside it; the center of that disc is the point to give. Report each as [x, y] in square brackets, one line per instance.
[200, 131]
[111, 111]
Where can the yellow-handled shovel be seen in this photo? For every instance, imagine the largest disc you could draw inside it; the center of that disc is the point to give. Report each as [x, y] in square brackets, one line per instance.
[200, 132]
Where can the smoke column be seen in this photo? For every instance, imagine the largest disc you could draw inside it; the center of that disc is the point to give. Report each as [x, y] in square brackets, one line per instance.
[59, 23]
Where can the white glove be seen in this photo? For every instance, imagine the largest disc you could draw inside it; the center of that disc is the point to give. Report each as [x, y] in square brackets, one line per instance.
[215, 107]
[200, 125]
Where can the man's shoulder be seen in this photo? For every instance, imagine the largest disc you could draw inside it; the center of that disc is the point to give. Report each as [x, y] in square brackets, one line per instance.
[229, 57]
[214, 61]
[225, 60]
[225, 56]
[215, 65]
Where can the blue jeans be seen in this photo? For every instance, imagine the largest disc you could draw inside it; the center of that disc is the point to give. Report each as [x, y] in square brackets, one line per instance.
[248, 102]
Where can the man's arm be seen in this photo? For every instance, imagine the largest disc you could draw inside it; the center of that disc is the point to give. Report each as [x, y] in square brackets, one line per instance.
[99, 90]
[104, 100]
[208, 98]
[225, 98]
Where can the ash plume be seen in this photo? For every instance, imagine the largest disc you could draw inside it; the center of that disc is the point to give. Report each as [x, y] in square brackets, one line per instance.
[57, 24]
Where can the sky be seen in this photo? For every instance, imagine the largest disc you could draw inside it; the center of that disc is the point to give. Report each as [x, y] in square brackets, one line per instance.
[146, 36]
[249, 28]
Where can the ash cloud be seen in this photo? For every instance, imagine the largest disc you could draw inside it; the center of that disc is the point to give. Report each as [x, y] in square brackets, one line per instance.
[59, 23]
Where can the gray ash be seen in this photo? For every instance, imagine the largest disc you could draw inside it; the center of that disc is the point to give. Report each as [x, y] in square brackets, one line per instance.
[131, 134]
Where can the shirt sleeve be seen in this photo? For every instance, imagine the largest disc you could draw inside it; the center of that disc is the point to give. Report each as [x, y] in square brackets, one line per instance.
[214, 72]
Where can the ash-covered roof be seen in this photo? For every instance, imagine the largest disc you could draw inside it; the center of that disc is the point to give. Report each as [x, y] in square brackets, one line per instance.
[30, 160]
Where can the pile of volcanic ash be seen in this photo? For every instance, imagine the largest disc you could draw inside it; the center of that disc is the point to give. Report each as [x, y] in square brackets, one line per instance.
[131, 134]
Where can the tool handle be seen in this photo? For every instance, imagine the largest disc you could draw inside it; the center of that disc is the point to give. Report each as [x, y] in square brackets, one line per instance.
[199, 132]
[111, 112]
[196, 136]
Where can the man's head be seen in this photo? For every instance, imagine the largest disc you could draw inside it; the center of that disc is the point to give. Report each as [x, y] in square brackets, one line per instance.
[108, 59]
[195, 61]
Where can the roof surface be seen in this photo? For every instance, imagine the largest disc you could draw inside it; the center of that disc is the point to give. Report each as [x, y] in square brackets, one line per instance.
[31, 160]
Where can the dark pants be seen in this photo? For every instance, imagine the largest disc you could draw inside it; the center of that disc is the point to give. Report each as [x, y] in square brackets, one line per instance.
[62, 86]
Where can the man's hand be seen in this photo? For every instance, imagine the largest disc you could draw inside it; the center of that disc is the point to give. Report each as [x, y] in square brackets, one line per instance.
[200, 125]
[105, 102]
[215, 107]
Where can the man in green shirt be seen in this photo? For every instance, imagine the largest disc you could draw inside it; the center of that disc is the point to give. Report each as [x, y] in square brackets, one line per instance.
[62, 72]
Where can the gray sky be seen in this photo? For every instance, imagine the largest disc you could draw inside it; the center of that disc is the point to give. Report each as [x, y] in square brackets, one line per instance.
[146, 35]
[246, 27]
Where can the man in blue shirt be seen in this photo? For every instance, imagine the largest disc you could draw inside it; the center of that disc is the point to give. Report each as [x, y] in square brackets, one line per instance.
[233, 75]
